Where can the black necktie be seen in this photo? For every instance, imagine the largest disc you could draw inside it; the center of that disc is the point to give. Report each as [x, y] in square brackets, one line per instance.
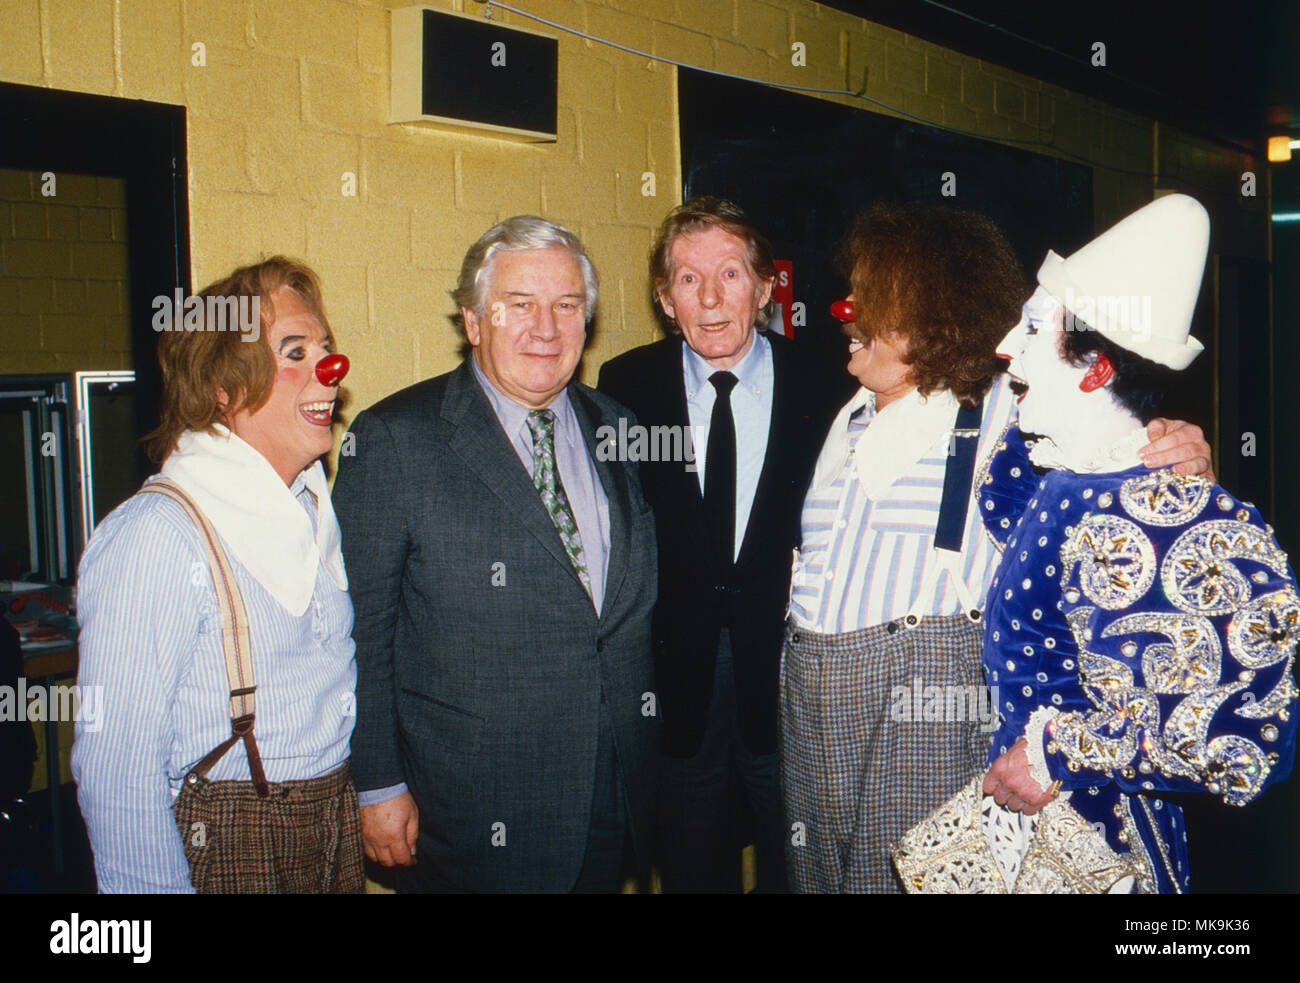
[720, 471]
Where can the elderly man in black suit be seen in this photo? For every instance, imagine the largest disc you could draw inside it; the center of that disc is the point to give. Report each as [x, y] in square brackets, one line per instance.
[727, 520]
[503, 574]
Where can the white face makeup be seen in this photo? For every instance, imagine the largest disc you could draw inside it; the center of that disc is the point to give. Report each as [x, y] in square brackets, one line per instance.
[1041, 308]
[1053, 405]
[1016, 339]
[292, 428]
[1047, 405]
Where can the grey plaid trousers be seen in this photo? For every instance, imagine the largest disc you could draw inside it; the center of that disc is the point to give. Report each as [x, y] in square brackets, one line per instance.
[878, 728]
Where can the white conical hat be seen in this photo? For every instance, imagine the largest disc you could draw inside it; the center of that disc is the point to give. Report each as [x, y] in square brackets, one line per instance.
[1137, 282]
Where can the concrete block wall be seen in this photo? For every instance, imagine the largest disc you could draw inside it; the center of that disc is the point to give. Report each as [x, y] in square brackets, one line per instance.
[292, 96]
[63, 273]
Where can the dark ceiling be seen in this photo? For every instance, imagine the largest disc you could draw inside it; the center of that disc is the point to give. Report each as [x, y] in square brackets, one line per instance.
[1226, 70]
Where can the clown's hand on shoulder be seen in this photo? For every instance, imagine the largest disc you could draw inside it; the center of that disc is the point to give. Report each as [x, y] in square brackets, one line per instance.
[1178, 445]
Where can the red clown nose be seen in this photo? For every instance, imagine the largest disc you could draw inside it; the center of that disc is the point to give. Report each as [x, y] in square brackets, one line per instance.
[331, 369]
[842, 310]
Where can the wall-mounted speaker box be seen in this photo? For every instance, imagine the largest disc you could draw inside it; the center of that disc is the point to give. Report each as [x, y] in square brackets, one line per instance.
[453, 70]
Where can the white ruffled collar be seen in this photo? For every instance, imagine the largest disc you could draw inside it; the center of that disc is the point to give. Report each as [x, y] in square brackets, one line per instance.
[1119, 456]
[899, 435]
[258, 517]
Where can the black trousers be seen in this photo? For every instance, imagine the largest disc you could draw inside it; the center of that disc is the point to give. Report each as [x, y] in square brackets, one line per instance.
[704, 799]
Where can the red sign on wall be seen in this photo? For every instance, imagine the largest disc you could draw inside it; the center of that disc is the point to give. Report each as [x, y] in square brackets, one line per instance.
[783, 294]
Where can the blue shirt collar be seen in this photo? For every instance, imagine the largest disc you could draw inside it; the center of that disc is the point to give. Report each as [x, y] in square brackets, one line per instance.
[747, 371]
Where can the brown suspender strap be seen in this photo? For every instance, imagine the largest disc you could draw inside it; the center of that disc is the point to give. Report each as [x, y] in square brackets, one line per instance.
[235, 642]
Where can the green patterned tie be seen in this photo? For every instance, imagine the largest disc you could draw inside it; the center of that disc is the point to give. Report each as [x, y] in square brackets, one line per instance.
[547, 482]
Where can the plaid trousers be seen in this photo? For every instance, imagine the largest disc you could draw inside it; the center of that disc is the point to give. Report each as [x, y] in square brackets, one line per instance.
[878, 728]
[305, 838]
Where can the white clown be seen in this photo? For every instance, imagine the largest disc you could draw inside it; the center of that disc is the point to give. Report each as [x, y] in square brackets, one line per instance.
[1142, 625]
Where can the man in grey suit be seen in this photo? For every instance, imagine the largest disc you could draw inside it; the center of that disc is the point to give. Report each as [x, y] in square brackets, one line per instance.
[503, 578]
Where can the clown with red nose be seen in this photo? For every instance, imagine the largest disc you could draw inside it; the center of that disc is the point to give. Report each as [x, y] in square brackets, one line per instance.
[215, 618]
[894, 568]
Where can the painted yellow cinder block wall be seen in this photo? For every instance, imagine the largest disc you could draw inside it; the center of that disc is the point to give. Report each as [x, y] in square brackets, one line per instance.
[292, 96]
[63, 273]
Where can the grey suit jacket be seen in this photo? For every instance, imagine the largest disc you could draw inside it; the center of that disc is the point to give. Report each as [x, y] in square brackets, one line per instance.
[481, 661]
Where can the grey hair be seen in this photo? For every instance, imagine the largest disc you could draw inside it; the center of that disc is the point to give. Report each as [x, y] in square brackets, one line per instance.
[517, 233]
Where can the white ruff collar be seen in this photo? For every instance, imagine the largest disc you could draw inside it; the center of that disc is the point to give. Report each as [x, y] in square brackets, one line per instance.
[898, 436]
[1119, 456]
[257, 516]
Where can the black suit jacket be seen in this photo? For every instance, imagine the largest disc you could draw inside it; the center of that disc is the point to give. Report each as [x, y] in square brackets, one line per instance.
[698, 595]
[481, 662]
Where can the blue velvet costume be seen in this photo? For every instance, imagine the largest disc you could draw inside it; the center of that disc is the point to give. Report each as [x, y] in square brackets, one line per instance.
[1157, 616]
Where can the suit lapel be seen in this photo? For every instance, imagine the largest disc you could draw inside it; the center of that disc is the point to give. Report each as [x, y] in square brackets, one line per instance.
[774, 464]
[676, 413]
[682, 486]
[614, 482]
[486, 450]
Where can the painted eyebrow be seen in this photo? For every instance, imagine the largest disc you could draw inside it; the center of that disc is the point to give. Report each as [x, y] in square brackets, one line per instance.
[327, 342]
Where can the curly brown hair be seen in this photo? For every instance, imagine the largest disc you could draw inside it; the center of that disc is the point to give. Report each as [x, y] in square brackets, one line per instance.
[945, 279]
[196, 363]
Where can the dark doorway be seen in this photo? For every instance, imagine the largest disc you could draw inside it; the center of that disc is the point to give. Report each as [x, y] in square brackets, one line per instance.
[803, 167]
[94, 191]
[142, 144]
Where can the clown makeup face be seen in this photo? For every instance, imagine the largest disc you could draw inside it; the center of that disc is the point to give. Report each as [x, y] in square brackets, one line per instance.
[1053, 405]
[1039, 310]
[292, 428]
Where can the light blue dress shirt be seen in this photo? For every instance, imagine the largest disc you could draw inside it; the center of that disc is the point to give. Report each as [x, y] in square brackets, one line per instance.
[751, 410]
[151, 641]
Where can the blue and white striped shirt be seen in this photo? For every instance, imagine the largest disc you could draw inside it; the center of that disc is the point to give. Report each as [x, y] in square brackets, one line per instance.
[151, 639]
[862, 559]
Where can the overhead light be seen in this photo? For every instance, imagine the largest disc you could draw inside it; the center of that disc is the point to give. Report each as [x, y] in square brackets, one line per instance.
[1294, 144]
[1279, 149]
[1286, 216]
